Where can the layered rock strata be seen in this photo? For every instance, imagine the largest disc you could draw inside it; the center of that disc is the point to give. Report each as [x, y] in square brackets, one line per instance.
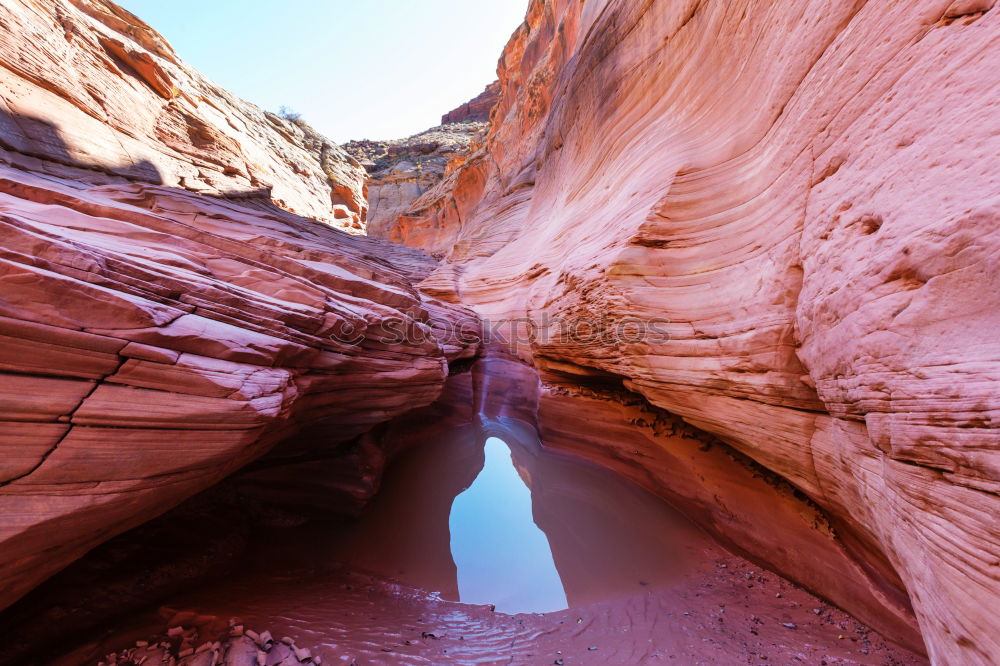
[86, 85]
[165, 318]
[476, 109]
[157, 340]
[803, 195]
[400, 171]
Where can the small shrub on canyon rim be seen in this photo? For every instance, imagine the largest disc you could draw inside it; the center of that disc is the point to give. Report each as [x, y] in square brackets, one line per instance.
[289, 113]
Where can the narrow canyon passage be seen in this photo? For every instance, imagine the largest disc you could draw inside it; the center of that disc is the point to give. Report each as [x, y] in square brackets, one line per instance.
[676, 343]
[478, 540]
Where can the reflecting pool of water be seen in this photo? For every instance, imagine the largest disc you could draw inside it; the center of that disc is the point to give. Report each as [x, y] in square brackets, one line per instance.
[501, 555]
[488, 516]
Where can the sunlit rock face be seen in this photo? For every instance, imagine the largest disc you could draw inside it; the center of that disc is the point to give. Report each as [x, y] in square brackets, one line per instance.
[155, 338]
[401, 170]
[84, 83]
[476, 109]
[806, 191]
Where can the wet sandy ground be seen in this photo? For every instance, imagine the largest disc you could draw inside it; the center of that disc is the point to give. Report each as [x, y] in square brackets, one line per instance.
[644, 585]
[732, 613]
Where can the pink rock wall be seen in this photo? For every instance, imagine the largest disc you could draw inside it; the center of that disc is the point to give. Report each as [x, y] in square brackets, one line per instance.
[808, 193]
[85, 83]
[154, 341]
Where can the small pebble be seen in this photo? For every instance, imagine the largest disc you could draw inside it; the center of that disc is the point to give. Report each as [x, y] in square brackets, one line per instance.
[790, 625]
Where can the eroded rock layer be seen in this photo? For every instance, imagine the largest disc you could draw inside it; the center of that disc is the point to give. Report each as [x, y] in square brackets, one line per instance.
[804, 197]
[476, 109]
[401, 170]
[156, 340]
[85, 84]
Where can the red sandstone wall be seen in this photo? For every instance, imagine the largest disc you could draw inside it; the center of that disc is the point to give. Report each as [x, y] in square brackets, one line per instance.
[154, 339]
[477, 108]
[85, 83]
[808, 192]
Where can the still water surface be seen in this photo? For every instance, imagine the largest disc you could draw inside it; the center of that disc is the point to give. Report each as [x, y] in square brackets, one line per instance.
[483, 515]
[501, 555]
[488, 516]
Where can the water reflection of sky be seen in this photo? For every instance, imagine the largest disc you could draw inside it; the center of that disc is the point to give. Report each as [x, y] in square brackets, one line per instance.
[492, 531]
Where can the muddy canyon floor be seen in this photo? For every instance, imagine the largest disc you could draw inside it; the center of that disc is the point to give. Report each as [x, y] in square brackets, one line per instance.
[678, 344]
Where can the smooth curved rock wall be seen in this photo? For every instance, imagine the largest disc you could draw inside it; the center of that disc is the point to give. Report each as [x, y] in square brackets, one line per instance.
[807, 192]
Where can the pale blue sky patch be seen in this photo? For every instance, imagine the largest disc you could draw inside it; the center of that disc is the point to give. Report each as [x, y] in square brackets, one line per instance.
[375, 69]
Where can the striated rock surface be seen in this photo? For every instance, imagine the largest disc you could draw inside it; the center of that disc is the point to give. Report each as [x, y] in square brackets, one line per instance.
[807, 193]
[401, 170]
[90, 88]
[165, 318]
[476, 109]
[155, 340]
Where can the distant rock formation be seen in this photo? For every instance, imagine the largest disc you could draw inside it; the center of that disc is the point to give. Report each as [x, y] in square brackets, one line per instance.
[476, 109]
[400, 170]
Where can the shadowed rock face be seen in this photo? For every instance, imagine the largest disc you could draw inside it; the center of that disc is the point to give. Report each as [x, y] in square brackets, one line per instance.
[806, 191]
[155, 340]
[123, 103]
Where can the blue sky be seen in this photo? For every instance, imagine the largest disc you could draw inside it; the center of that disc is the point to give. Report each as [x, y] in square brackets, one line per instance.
[355, 69]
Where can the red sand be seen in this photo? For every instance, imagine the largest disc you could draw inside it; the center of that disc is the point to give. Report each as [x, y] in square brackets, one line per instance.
[732, 613]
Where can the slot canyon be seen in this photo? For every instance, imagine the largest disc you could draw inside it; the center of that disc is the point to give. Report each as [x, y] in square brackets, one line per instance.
[680, 343]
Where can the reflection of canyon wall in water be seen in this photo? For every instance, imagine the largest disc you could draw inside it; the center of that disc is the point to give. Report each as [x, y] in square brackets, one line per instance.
[404, 533]
[807, 192]
[609, 539]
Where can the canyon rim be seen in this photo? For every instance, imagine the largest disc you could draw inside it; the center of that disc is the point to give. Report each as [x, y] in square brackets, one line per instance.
[800, 199]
